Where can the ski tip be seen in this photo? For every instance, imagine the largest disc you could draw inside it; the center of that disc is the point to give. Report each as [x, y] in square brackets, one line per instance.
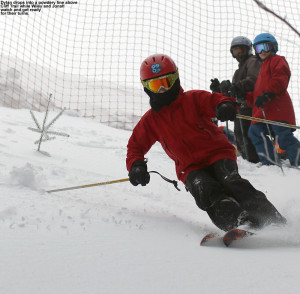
[208, 237]
[235, 234]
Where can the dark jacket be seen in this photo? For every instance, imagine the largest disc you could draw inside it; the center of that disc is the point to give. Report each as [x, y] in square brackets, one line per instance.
[273, 77]
[186, 132]
[245, 76]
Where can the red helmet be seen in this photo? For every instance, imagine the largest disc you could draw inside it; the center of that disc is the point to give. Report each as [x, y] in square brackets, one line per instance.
[157, 65]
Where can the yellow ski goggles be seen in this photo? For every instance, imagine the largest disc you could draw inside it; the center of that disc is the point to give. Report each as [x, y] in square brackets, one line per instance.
[166, 81]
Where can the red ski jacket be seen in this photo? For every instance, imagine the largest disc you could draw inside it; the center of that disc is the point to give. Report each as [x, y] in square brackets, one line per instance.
[274, 76]
[186, 132]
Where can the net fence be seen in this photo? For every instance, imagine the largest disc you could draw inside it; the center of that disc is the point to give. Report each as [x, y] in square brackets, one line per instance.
[88, 53]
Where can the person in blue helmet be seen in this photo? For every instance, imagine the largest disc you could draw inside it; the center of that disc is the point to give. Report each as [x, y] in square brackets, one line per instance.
[270, 100]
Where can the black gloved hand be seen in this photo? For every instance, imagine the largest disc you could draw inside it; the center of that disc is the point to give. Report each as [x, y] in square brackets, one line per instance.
[236, 92]
[138, 174]
[263, 99]
[226, 111]
[224, 87]
[215, 85]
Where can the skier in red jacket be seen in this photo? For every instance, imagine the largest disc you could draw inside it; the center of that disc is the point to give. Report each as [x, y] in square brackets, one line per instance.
[205, 160]
[271, 97]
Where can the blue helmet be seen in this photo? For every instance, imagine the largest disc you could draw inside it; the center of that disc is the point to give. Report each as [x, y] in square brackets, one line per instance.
[266, 38]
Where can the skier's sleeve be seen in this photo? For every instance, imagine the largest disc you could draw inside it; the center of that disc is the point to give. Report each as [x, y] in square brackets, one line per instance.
[253, 67]
[208, 103]
[280, 76]
[140, 142]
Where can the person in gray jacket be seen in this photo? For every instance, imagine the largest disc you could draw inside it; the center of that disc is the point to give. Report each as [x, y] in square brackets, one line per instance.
[243, 81]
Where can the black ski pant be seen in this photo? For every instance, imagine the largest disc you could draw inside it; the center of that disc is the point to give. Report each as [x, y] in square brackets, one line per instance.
[243, 142]
[229, 199]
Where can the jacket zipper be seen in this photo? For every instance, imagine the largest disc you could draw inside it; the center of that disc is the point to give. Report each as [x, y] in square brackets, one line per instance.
[176, 159]
[203, 129]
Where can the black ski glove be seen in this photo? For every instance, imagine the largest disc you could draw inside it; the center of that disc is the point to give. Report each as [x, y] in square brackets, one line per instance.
[224, 87]
[138, 174]
[236, 92]
[263, 99]
[215, 85]
[226, 111]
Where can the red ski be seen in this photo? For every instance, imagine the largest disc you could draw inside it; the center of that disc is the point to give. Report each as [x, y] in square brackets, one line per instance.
[208, 238]
[228, 238]
[236, 234]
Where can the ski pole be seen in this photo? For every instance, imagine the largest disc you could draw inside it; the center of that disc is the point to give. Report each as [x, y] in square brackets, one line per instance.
[227, 130]
[89, 185]
[268, 127]
[271, 122]
[277, 160]
[244, 139]
[113, 182]
[245, 146]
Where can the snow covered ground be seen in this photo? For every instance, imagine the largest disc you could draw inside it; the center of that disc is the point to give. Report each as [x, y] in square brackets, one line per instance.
[122, 239]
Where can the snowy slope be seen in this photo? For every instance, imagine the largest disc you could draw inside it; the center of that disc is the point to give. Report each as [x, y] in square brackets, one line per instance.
[119, 238]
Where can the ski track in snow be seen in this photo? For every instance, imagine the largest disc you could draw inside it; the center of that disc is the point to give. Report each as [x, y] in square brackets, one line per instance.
[119, 238]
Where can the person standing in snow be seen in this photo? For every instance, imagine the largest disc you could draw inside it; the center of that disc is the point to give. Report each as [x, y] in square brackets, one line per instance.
[205, 160]
[243, 81]
[270, 97]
